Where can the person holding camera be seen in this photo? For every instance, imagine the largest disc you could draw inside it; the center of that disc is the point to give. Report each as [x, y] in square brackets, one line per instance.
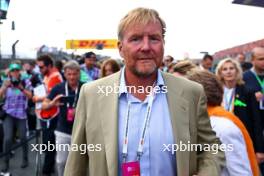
[16, 93]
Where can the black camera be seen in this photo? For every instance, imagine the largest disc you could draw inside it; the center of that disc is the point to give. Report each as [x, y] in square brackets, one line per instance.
[15, 82]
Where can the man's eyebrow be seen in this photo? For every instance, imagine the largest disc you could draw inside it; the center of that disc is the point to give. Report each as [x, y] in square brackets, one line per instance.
[135, 35]
[155, 35]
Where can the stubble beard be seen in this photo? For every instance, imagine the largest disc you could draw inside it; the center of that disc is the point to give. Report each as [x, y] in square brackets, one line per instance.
[259, 69]
[143, 74]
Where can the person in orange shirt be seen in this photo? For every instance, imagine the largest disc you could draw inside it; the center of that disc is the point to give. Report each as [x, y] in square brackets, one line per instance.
[51, 77]
[228, 127]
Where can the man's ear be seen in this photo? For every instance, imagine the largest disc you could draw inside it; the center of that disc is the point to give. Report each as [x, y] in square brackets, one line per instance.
[120, 47]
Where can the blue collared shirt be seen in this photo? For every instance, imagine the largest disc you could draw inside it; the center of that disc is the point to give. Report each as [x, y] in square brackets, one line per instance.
[154, 161]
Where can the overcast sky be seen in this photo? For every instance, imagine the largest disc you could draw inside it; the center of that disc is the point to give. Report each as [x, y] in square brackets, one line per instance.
[192, 25]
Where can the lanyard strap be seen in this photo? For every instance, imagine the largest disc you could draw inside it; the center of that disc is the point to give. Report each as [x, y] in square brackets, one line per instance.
[67, 94]
[125, 142]
[261, 83]
[230, 101]
[143, 132]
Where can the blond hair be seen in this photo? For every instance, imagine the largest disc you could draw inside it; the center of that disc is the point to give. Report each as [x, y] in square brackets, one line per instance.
[239, 77]
[139, 16]
[183, 67]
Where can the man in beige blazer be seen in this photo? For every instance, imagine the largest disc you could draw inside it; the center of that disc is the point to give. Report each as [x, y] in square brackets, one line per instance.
[141, 44]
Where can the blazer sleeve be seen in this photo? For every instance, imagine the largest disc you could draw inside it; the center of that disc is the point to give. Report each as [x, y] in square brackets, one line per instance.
[210, 162]
[78, 161]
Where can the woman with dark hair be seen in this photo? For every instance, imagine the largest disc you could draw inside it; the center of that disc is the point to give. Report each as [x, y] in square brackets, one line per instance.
[240, 157]
[109, 67]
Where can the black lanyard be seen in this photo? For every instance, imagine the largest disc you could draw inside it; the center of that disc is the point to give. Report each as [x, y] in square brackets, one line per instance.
[67, 94]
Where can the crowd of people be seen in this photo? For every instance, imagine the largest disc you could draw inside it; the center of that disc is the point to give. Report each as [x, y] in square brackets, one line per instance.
[23, 105]
[62, 99]
[234, 100]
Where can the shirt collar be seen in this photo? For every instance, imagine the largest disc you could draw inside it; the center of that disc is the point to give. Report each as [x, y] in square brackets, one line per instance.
[122, 85]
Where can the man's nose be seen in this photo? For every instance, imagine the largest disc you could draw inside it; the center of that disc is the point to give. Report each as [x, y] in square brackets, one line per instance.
[145, 44]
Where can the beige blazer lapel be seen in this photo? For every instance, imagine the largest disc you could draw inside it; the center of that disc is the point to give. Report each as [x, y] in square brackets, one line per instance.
[108, 112]
[179, 109]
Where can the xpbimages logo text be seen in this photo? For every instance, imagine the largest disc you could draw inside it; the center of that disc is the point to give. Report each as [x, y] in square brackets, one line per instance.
[214, 148]
[82, 148]
[106, 90]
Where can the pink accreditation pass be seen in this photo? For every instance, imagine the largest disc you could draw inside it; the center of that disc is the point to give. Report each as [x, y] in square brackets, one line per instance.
[131, 169]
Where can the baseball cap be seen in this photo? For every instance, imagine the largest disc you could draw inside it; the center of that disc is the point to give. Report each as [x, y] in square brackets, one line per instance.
[89, 55]
[14, 66]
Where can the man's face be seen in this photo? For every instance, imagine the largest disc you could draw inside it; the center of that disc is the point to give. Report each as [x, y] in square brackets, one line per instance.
[167, 61]
[207, 63]
[258, 60]
[27, 67]
[15, 73]
[241, 58]
[72, 76]
[89, 62]
[142, 48]
[43, 69]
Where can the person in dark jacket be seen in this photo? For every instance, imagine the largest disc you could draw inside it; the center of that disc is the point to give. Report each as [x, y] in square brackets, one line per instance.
[237, 98]
[254, 82]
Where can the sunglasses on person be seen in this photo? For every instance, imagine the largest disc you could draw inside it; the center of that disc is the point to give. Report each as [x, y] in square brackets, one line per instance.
[14, 70]
[41, 67]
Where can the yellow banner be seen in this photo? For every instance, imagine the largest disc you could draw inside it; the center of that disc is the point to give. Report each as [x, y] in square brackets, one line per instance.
[92, 44]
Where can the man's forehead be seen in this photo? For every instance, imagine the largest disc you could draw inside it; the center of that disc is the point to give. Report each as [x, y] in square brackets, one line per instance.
[137, 26]
[241, 55]
[71, 70]
[259, 53]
